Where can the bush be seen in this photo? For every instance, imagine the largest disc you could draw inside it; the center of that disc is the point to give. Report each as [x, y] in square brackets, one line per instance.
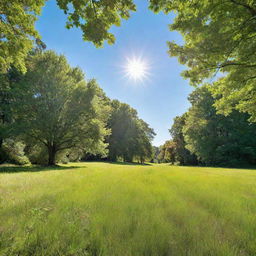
[37, 154]
[13, 152]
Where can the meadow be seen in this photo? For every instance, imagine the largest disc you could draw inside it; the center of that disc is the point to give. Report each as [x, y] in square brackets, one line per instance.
[104, 209]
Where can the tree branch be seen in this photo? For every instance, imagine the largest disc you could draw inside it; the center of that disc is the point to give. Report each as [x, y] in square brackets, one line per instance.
[248, 7]
[223, 65]
[249, 78]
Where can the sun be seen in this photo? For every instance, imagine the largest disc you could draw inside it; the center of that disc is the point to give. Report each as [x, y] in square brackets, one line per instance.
[136, 69]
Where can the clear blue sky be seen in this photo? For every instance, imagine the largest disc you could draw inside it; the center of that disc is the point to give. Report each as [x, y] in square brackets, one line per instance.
[158, 99]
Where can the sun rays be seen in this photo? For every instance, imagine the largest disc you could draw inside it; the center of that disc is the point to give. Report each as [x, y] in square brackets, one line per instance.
[136, 69]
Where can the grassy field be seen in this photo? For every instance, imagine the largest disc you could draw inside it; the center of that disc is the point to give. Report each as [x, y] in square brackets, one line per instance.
[127, 210]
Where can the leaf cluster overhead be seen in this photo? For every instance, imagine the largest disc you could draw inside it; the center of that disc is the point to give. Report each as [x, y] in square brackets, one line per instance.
[219, 40]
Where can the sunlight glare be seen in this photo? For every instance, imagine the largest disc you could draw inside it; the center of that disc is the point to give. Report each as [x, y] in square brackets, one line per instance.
[136, 69]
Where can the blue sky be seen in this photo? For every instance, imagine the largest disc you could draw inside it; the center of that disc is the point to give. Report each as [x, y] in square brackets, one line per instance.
[157, 99]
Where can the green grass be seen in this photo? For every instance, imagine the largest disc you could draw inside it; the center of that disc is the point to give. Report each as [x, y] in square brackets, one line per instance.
[127, 210]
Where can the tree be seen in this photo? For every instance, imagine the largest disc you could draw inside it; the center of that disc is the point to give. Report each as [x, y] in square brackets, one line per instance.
[214, 138]
[130, 136]
[17, 24]
[57, 108]
[183, 155]
[119, 123]
[7, 81]
[156, 152]
[143, 137]
[168, 152]
[219, 36]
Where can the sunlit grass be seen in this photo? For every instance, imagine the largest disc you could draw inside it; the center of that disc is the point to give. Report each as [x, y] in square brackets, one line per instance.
[128, 210]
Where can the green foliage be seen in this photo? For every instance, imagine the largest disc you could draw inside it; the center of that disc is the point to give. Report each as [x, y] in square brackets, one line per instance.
[143, 136]
[36, 153]
[62, 117]
[8, 82]
[214, 138]
[107, 209]
[57, 108]
[167, 152]
[17, 24]
[183, 155]
[13, 152]
[95, 18]
[219, 36]
[156, 152]
[130, 136]
[17, 31]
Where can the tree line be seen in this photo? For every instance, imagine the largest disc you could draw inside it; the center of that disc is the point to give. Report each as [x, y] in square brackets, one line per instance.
[201, 136]
[52, 114]
[219, 128]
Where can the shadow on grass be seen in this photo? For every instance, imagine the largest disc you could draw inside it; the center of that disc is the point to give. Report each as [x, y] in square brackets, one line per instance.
[35, 168]
[127, 163]
[245, 167]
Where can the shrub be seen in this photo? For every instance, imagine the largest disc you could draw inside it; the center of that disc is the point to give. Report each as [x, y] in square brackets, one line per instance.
[13, 152]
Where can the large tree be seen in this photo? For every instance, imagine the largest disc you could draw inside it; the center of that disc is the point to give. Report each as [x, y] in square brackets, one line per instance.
[218, 36]
[214, 138]
[56, 107]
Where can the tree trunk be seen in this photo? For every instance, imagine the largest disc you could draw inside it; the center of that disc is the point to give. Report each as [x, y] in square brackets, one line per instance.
[51, 154]
[1, 142]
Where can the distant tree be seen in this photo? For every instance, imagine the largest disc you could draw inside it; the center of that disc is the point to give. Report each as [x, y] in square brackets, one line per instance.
[119, 124]
[183, 155]
[160, 156]
[143, 137]
[168, 152]
[57, 108]
[130, 136]
[214, 138]
[218, 36]
[156, 152]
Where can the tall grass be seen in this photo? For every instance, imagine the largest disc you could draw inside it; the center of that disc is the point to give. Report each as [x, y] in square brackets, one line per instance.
[128, 210]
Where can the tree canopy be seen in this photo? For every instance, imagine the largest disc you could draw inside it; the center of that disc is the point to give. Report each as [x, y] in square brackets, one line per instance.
[17, 24]
[55, 106]
[167, 152]
[214, 138]
[201, 136]
[51, 113]
[17, 31]
[182, 154]
[130, 137]
[219, 36]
